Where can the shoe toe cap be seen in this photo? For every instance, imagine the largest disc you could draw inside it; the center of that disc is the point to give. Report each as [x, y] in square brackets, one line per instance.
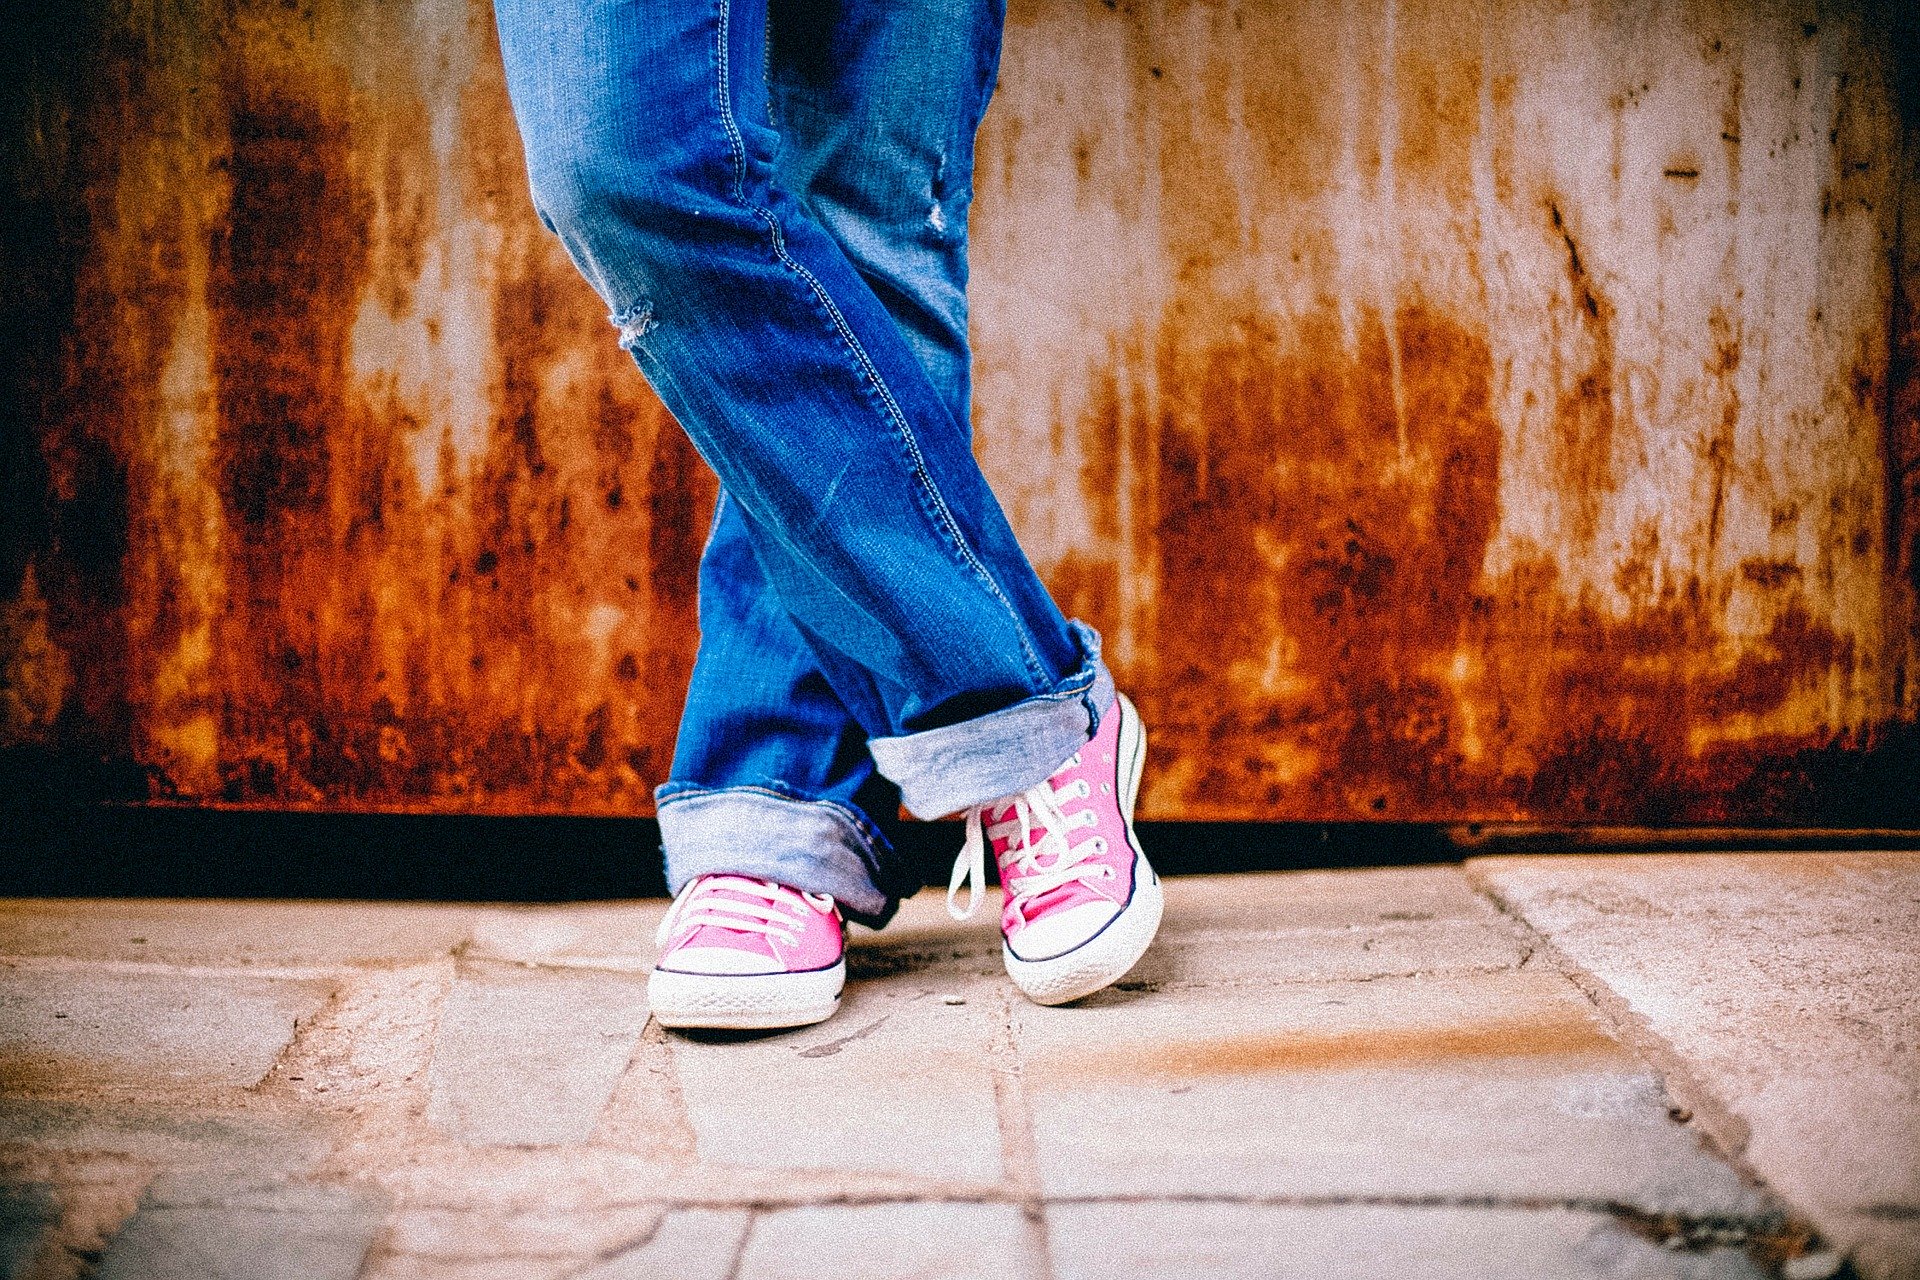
[1059, 932]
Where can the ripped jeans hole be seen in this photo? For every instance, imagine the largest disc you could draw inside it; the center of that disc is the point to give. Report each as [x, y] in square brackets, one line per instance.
[634, 323]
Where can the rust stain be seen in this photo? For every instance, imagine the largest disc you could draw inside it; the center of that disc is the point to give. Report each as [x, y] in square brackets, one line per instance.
[1180, 1061]
[1584, 423]
[1397, 484]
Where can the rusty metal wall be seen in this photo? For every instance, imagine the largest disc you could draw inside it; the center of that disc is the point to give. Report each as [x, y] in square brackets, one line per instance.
[1487, 412]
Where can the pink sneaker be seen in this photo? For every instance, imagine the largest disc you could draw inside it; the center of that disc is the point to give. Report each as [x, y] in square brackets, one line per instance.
[745, 954]
[1082, 904]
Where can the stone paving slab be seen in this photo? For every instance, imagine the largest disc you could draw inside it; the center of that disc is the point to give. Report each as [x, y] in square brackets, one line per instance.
[1273, 902]
[613, 935]
[927, 1241]
[1785, 984]
[241, 1142]
[1181, 1240]
[68, 1029]
[28, 1212]
[231, 933]
[898, 1081]
[529, 1057]
[72, 1207]
[688, 1244]
[1358, 1089]
[1327, 1073]
[311, 1232]
[521, 1244]
[1253, 929]
[924, 941]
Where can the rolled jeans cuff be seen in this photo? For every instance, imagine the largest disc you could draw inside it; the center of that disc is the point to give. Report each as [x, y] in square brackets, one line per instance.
[772, 833]
[944, 770]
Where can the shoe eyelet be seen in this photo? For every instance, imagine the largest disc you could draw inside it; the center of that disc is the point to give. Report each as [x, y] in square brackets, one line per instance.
[1100, 846]
[1106, 788]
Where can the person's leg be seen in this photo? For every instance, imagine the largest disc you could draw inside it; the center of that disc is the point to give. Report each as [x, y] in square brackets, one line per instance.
[652, 154]
[771, 774]
[876, 103]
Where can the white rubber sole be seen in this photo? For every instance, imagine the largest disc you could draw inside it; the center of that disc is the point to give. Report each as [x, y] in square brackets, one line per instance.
[1105, 958]
[745, 1002]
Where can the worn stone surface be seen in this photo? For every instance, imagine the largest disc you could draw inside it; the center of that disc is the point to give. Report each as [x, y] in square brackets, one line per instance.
[238, 1141]
[74, 1205]
[1326, 1073]
[487, 1239]
[1785, 984]
[63, 1030]
[929, 1240]
[597, 935]
[1360, 1088]
[1324, 926]
[28, 1212]
[896, 1082]
[1363, 1242]
[529, 1057]
[230, 934]
[315, 1233]
[923, 940]
[688, 1244]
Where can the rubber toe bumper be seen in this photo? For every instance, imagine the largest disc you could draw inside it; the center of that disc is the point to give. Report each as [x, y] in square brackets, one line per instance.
[1102, 959]
[745, 1001]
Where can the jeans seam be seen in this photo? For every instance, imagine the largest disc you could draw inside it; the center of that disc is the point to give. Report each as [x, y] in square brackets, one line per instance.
[943, 514]
[713, 525]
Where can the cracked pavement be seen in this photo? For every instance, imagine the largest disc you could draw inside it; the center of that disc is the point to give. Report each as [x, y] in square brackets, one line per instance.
[1646, 1066]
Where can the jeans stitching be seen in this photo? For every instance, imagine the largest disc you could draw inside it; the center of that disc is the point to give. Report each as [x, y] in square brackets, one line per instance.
[736, 147]
[713, 526]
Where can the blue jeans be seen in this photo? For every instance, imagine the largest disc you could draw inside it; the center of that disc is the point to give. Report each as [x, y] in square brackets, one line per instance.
[772, 200]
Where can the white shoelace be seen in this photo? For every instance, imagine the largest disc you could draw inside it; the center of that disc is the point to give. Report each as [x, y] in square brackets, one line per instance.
[1025, 878]
[781, 916]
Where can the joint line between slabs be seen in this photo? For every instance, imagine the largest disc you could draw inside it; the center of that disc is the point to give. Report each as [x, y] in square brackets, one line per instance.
[1019, 1157]
[740, 1246]
[1723, 1132]
[1527, 1204]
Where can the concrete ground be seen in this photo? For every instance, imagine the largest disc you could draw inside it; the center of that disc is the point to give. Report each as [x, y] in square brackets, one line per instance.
[1701, 1066]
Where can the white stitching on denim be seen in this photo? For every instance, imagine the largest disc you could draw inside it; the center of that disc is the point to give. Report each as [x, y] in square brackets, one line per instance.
[713, 526]
[736, 147]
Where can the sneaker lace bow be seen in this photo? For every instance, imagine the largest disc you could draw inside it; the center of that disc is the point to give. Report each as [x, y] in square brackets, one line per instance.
[1040, 808]
[781, 915]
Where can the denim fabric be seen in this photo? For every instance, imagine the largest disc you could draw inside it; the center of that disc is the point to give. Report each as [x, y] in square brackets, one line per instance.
[772, 202]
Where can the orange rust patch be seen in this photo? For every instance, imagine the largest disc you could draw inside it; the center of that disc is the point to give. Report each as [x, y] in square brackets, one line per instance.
[497, 613]
[1172, 1062]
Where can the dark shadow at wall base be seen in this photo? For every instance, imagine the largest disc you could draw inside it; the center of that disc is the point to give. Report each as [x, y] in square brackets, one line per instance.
[51, 849]
[176, 852]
